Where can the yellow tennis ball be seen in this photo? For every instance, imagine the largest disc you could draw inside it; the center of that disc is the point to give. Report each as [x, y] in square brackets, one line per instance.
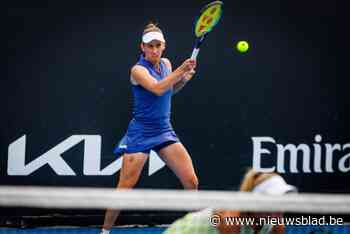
[242, 46]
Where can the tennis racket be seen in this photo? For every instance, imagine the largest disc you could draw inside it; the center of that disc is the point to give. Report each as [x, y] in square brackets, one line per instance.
[208, 18]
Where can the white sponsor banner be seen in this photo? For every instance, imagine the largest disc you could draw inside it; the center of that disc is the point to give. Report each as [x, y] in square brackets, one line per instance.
[317, 157]
[91, 161]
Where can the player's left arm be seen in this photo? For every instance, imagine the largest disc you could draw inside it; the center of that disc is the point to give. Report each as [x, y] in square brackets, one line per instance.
[182, 82]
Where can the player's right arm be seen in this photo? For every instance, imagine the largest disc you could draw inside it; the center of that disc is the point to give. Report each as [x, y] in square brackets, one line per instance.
[141, 75]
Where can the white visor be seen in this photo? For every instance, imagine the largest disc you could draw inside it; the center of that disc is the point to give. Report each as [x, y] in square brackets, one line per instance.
[150, 36]
[274, 185]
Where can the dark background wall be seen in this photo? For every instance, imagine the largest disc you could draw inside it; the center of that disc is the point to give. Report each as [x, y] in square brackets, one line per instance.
[68, 68]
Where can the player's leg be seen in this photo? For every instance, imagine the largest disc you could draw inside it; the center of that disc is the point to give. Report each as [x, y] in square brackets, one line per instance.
[129, 175]
[179, 161]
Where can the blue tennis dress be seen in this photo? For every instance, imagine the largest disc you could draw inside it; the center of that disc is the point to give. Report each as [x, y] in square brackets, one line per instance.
[150, 126]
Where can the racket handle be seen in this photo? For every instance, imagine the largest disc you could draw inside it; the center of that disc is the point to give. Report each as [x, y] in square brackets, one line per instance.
[195, 53]
[197, 45]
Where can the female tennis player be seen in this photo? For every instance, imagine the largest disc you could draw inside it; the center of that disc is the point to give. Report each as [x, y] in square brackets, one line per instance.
[153, 83]
[256, 182]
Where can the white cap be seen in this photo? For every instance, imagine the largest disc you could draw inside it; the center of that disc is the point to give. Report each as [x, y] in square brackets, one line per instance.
[150, 36]
[274, 185]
